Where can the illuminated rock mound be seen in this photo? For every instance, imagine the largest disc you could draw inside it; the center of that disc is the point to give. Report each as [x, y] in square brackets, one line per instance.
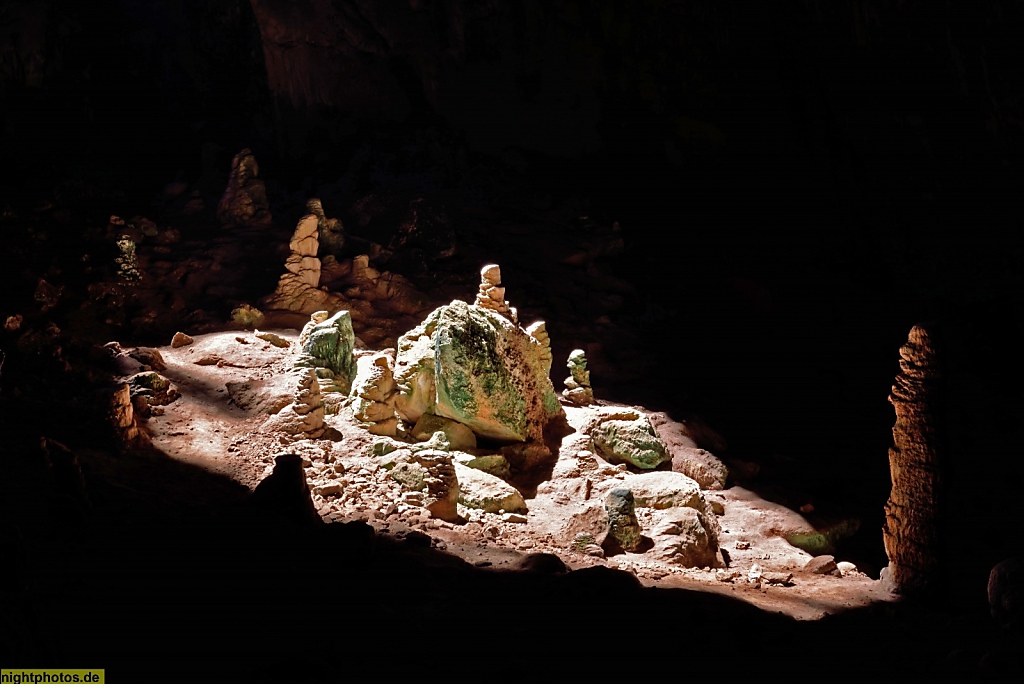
[475, 365]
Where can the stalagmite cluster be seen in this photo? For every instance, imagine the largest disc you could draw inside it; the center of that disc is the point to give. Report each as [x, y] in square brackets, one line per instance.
[912, 516]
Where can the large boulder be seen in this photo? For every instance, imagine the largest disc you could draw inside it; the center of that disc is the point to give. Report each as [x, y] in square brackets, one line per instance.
[477, 367]
[486, 492]
[683, 537]
[489, 375]
[688, 457]
[626, 436]
[665, 489]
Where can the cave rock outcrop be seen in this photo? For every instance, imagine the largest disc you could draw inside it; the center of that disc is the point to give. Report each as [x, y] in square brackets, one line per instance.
[911, 531]
[244, 202]
[627, 436]
[476, 366]
[327, 346]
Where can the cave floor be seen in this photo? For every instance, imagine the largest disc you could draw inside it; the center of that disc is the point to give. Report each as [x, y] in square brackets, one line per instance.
[228, 383]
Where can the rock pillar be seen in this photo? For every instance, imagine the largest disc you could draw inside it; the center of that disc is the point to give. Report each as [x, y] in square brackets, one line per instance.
[912, 514]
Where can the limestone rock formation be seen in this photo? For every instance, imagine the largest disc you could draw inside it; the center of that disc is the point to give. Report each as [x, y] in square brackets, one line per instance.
[688, 457]
[299, 288]
[486, 492]
[684, 538]
[458, 435]
[244, 202]
[328, 347]
[490, 376]
[121, 415]
[149, 389]
[180, 339]
[491, 295]
[624, 528]
[432, 473]
[373, 394]
[272, 338]
[247, 316]
[912, 516]
[627, 436]
[414, 369]
[474, 365]
[494, 464]
[577, 385]
[303, 418]
[664, 489]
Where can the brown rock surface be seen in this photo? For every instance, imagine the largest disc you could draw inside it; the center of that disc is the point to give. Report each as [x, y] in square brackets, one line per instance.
[911, 532]
[244, 202]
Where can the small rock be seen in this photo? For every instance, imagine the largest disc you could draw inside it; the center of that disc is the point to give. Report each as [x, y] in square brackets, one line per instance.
[821, 565]
[331, 489]
[741, 545]
[593, 550]
[781, 579]
[273, 339]
[727, 575]
[847, 568]
[514, 518]
[180, 339]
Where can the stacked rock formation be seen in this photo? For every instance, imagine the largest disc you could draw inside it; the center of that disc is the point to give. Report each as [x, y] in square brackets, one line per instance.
[911, 531]
[491, 295]
[244, 202]
[430, 474]
[538, 330]
[577, 385]
[304, 418]
[299, 288]
[373, 394]
[121, 415]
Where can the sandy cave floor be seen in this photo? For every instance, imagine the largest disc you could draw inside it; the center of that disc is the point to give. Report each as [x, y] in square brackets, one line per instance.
[222, 432]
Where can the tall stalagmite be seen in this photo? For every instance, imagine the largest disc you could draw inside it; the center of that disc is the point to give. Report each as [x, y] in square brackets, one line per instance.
[912, 514]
